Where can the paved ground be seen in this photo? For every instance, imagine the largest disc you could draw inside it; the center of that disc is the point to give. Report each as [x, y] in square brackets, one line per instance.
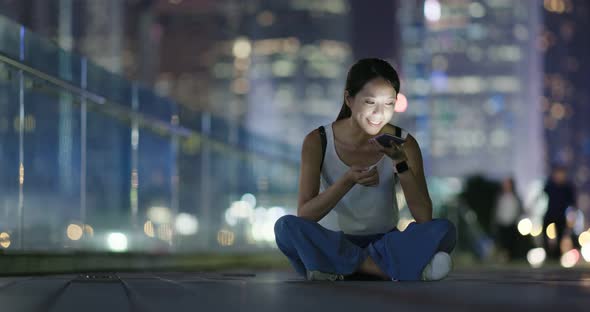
[464, 290]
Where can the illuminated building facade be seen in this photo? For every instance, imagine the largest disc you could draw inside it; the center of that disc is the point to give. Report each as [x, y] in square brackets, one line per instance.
[471, 72]
[565, 99]
[286, 67]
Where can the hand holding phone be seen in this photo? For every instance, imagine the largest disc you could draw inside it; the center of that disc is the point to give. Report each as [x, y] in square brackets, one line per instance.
[385, 139]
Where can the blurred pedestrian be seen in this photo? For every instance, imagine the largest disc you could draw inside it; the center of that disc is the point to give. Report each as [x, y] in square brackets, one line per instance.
[507, 213]
[561, 194]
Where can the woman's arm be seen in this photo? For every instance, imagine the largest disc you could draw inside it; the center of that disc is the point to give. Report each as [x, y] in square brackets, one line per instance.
[312, 206]
[413, 183]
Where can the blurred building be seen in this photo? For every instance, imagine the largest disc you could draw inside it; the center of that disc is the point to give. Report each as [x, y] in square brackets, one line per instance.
[291, 61]
[275, 67]
[564, 43]
[376, 32]
[472, 74]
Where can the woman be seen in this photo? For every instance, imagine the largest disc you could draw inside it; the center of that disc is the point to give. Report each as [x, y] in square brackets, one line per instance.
[354, 183]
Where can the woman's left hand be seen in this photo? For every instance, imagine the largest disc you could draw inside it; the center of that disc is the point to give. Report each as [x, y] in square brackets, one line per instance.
[395, 152]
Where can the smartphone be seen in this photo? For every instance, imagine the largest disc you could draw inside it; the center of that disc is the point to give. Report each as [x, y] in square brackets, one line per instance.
[385, 138]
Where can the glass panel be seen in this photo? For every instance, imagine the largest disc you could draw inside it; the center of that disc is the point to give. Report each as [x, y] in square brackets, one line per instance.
[51, 167]
[156, 159]
[9, 157]
[108, 172]
[9, 38]
[155, 106]
[108, 85]
[43, 55]
[191, 195]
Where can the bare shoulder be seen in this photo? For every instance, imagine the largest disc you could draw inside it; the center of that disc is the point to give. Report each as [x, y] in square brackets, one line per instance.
[412, 148]
[411, 139]
[312, 140]
[312, 147]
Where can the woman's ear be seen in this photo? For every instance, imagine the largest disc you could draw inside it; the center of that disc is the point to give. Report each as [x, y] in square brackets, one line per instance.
[347, 98]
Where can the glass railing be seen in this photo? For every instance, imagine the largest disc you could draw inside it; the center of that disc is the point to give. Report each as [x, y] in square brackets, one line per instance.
[90, 161]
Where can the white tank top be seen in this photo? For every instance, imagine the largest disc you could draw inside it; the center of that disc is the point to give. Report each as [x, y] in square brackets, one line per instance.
[364, 209]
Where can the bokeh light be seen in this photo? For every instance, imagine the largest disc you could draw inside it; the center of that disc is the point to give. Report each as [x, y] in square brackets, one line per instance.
[4, 240]
[74, 232]
[250, 199]
[584, 238]
[550, 231]
[148, 228]
[477, 10]
[401, 104]
[239, 210]
[165, 232]
[186, 224]
[225, 237]
[432, 10]
[117, 242]
[242, 48]
[525, 226]
[570, 258]
[88, 230]
[536, 257]
[159, 214]
[263, 221]
[586, 252]
[537, 229]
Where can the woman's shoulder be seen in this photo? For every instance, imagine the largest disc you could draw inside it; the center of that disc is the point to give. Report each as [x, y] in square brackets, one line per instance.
[311, 149]
[312, 140]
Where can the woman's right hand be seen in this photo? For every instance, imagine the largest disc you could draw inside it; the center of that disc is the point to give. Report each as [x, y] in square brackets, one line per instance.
[362, 176]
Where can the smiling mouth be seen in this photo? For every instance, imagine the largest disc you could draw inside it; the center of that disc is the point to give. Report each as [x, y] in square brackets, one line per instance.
[373, 123]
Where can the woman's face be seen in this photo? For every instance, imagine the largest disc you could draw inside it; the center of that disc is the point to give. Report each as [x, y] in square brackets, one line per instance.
[373, 106]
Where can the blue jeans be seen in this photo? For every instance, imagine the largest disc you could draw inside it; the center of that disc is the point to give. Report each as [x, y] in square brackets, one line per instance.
[401, 255]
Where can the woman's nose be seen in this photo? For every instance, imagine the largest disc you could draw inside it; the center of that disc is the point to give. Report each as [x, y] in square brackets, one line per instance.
[378, 110]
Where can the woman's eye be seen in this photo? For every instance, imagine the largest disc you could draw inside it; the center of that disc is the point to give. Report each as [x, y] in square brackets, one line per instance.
[389, 104]
[369, 102]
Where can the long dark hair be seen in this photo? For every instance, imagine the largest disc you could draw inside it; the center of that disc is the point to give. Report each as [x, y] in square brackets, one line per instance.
[364, 71]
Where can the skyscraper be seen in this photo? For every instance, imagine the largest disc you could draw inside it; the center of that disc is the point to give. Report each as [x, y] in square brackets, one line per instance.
[564, 43]
[287, 66]
[471, 71]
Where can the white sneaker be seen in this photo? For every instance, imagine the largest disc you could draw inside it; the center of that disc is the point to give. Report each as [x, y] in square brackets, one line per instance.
[321, 276]
[438, 268]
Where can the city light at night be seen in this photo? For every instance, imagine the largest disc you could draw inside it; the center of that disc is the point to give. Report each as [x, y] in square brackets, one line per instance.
[117, 242]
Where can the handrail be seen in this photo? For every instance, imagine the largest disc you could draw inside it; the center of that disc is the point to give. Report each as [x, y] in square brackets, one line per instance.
[141, 117]
[89, 95]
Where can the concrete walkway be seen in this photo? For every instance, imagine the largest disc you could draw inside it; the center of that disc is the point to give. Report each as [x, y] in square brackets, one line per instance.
[496, 290]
